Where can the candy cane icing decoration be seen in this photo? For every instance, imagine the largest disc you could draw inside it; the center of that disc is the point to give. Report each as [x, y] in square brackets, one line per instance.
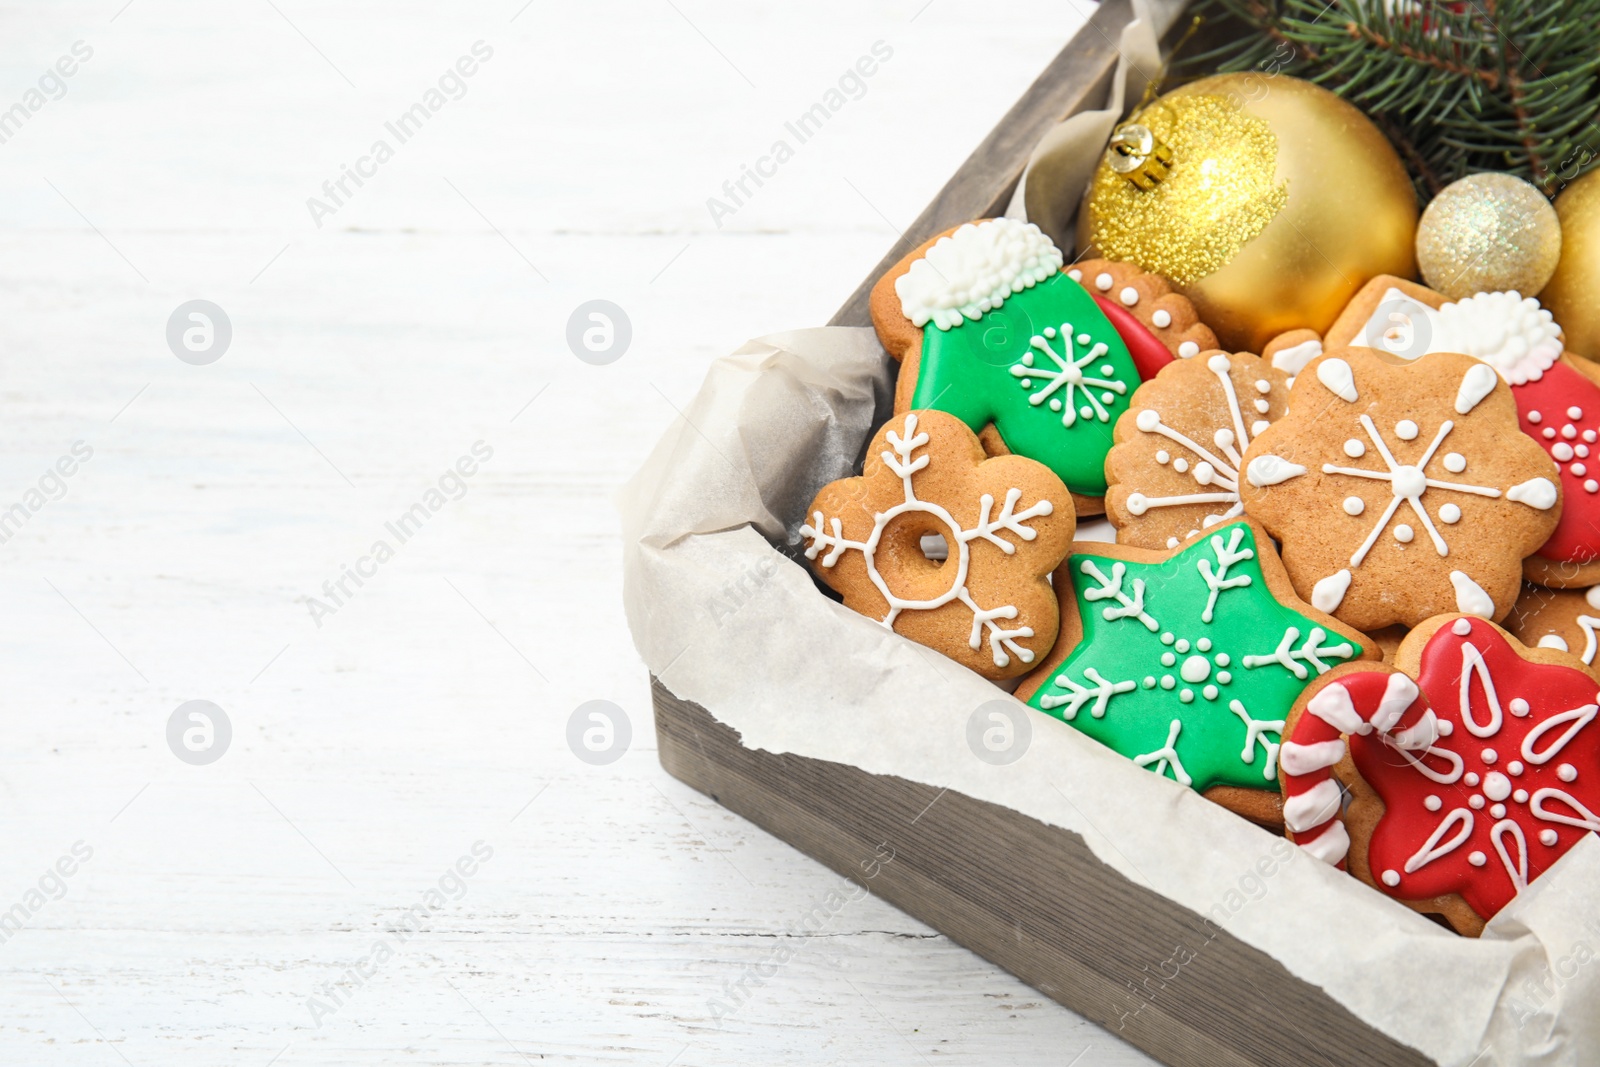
[1498, 771]
[1313, 800]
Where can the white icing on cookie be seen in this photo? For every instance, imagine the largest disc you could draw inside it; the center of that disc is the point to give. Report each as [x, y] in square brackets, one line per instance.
[1330, 846]
[1510, 333]
[1216, 471]
[1339, 378]
[1333, 706]
[1470, 597]
[974, 270]
[1268, 469]
[1293, 360]
[1538, 493]
[1394, 326]
[1313, 807]
[1329, 593]
[1303, 759]
[1476, 384]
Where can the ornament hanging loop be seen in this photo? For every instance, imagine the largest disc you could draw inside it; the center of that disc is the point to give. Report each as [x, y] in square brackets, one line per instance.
[1135, 154]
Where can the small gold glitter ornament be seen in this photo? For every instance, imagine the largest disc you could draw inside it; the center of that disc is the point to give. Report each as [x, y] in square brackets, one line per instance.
[1488, 233]
[1573, 295]
[1279, 201]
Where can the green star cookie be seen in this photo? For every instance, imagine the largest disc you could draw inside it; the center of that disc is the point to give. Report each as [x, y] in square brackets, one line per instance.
[1186, 662]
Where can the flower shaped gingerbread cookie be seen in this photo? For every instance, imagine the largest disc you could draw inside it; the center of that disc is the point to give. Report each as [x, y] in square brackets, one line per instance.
[1174, 470]
[1473, 764]
[1006, 523]
[1401, 490]
[1557, 394]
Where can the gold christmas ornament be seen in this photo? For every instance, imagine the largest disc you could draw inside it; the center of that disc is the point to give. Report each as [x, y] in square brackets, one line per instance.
[1573, 295]
[1135, 154]
[1274, 203]
[1488, 233]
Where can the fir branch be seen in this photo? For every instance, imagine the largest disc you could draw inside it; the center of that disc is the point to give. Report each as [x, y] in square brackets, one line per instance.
[1490, 78]
[1504, 85]
[1421, 170]
[1530, 143]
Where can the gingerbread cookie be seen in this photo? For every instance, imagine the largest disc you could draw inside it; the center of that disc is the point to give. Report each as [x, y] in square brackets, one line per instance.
[1557, 394]
[1006, 523]
[1566, 620]
[990, 328]
[1174, 470]
[1367, 436]
[1187, 661]
[1290, 352]
[1472, 764]
[1155, 320]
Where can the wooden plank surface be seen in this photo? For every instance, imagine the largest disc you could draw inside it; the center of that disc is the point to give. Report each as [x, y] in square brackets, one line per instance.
[1035, 900]
[372, 749]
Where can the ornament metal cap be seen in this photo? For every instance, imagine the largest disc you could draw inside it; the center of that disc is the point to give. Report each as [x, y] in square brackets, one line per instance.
[1135, 154]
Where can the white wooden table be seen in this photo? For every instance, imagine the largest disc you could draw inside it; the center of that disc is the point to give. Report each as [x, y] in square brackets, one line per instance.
[222, 905]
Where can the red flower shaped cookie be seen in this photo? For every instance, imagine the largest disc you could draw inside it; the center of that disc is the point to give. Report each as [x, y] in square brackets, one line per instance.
[1007, 523]
[1473, 764]
[1401, 490]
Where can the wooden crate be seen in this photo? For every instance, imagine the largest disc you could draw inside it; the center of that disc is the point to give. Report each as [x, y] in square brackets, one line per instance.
[1029, 897]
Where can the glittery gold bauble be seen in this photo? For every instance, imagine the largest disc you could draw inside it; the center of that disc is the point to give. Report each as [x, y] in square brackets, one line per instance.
[1281, 201]
[1488, 233]
[1573, 295]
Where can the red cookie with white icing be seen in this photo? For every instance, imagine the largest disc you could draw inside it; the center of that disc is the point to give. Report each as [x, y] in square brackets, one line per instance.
[1557, 394]
[1401, 489]
[1472, 764]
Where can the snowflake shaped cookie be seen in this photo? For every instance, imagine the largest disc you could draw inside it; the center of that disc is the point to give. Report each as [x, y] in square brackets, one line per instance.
[1473, 765]
[1005, 524]
[1174, 471]
[1557, 394]
[1401, 490]
[1187, 662]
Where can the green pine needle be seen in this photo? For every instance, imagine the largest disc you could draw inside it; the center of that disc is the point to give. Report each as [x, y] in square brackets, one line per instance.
[1486, 85]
